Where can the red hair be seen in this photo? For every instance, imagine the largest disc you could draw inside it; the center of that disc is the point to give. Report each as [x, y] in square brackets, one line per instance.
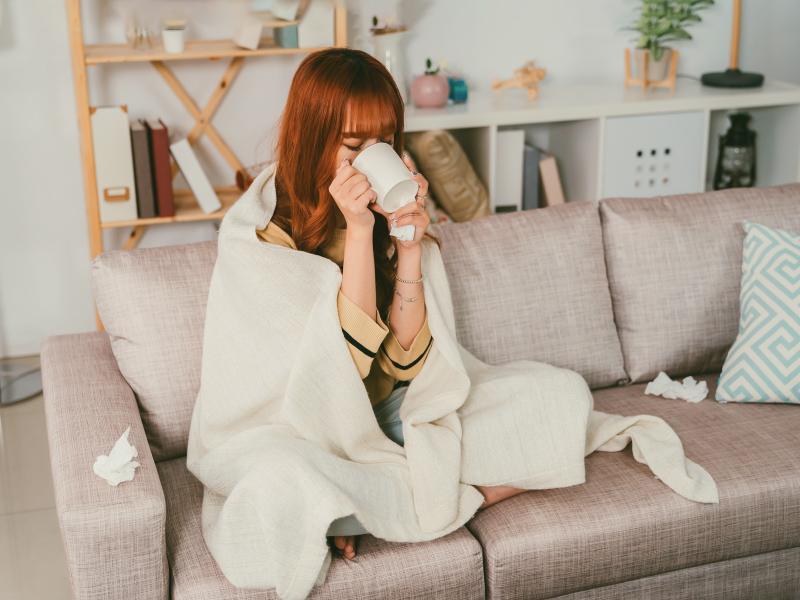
[329, 86]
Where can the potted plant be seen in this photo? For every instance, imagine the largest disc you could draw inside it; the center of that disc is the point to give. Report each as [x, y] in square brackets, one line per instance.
[660, 22]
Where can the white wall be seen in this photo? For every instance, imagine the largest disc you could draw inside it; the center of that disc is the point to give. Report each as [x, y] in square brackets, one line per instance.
[44, 265]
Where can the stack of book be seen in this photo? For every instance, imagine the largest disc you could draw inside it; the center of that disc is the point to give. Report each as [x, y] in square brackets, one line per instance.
[527, 177]
[133, 169]
[152, 168]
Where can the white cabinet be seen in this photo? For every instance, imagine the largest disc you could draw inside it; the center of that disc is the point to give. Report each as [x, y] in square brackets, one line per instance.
[661, 154]
[596, 132]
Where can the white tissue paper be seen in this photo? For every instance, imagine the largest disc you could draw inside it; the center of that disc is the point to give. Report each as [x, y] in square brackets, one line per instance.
[118, 466]
[690, 390]
[405, 232]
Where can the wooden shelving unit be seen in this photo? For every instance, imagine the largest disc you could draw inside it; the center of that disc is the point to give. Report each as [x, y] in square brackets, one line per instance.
[85, 56]
[99, 54]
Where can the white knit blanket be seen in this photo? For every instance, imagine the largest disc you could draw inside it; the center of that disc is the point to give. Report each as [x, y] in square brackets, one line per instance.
[285, 441]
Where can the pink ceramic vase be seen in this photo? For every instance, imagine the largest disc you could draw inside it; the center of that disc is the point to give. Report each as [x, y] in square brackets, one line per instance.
[430, 91]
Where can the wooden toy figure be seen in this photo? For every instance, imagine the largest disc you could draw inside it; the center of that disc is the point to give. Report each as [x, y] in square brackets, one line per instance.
[527, 76]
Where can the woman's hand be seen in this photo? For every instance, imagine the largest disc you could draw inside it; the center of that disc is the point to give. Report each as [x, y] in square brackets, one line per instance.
[413, 213]
[352, 193]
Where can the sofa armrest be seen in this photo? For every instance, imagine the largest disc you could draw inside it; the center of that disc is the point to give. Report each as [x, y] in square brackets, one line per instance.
[114, 537]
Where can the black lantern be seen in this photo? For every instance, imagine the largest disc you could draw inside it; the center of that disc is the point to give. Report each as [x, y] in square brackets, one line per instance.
[736, 160]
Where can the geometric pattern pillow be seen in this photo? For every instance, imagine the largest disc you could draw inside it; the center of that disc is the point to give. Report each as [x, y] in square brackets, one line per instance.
[763, 365]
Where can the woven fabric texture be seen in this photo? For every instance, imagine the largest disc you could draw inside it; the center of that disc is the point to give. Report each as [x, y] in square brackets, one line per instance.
[772, 575]
[450, 567]
[674, 269]
[532, 285]
[453, 181]
[624, 524]
[114, 537]
[152, 302]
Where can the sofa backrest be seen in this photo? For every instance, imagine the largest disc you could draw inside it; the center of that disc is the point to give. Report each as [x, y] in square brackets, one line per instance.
[532, 285]
[675, 268]
[525, 285]
[152, 302]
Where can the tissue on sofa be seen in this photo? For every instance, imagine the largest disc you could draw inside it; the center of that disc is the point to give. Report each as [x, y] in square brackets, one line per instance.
[118, 465]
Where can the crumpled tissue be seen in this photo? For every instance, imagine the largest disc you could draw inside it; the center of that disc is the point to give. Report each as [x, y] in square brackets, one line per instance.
[118, 465]
[690, 389]
[404, 232]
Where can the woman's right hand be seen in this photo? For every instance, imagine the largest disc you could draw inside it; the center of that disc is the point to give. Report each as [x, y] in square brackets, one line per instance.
[352, 193]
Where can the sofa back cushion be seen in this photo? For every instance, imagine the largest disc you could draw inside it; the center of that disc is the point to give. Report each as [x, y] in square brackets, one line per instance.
[532, 285]
[152, 302]
[675, 269]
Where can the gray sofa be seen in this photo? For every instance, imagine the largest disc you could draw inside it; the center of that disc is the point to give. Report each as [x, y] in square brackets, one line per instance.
[616, 291]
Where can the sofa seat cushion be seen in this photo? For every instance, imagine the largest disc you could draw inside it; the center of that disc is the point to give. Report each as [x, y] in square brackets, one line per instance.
[448, 567]
[532, 285]
[675, 271]
[624, 524]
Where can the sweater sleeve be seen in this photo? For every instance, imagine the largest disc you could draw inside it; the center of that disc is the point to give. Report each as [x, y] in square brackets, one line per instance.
[362, 334]
[404, 364]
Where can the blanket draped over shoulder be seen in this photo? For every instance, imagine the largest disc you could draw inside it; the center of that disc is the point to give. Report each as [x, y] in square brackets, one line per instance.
[284, 439]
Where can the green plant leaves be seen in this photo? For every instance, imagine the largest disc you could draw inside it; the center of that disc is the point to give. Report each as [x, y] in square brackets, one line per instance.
[661, 21]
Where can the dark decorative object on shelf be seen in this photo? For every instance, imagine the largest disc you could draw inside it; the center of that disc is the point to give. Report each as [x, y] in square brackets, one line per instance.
[732, 77]
[736, 162]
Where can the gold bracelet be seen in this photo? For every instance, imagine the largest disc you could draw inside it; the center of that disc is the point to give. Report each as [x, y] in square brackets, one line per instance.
[409, 280]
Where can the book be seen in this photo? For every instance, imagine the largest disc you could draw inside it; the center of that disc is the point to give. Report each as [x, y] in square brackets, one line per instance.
[162, 167]
[508, 178]
[195, 176]
[113, 163]
[553, 191]
[530, 177]
[142, 168]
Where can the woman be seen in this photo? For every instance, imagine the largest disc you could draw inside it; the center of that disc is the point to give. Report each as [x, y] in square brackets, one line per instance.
[340, 102]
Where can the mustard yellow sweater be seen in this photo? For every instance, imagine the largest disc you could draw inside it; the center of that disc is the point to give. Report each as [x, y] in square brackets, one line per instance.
[381, 360]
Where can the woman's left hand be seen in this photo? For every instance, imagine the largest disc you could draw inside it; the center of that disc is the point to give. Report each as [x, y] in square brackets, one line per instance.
[413, 213]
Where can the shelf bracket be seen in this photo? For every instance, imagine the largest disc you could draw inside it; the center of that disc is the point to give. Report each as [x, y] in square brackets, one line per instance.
[203, 125]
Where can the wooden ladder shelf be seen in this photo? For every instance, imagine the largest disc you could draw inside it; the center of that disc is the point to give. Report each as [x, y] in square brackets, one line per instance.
[186, 207]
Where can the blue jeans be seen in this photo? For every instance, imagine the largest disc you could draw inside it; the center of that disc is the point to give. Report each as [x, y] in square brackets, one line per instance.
[387, 414]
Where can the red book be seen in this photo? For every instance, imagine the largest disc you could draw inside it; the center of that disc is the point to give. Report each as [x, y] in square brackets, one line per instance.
[162, 168]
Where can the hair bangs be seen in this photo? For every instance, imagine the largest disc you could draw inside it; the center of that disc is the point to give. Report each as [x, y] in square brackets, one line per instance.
[371, 112]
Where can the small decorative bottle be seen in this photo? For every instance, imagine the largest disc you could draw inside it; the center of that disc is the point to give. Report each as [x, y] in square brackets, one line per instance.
[388, 43]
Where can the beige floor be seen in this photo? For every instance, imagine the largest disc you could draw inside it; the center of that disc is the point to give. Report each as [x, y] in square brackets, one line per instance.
[32, 564]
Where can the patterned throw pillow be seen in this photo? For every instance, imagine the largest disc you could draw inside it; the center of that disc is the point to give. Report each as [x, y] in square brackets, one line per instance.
[763, 365]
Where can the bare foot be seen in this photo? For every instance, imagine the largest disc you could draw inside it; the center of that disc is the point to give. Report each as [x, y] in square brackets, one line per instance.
[344, 545]
[496, 493]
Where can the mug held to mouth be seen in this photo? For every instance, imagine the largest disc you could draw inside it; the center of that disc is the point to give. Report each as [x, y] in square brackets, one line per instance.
[388, 176]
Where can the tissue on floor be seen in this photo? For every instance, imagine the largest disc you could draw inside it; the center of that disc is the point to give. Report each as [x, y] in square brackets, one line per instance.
[690, 389]
[118, 465]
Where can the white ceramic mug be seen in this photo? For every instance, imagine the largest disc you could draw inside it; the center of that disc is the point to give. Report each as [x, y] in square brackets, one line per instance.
[388, 176]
